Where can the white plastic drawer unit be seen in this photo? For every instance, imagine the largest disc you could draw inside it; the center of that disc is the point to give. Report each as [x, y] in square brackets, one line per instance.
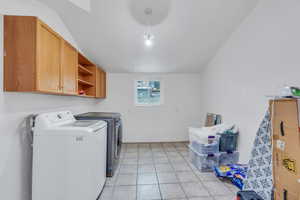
[69, 157]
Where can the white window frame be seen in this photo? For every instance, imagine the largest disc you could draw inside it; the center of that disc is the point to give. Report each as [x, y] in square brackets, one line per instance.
[149, 104]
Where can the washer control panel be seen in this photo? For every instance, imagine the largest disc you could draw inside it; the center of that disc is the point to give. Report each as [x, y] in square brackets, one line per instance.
[48, 120]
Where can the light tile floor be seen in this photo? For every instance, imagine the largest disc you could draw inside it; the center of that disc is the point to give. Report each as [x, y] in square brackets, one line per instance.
[162, 171]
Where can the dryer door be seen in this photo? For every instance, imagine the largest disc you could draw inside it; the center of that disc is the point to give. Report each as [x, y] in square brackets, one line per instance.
[118, 139]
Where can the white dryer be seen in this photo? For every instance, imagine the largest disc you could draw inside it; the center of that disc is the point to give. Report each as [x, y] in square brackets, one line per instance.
[69, 157]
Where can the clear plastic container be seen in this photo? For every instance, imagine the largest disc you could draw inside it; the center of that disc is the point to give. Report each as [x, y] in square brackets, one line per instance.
[211, 139]
[204, 162]
[202, 148]
[229, 158]
[228, 142]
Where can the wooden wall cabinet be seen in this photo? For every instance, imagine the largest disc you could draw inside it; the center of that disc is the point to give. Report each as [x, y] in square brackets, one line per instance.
[86, 77]
[91, 79]
[101, 83]
[20, 47]
[69, 69]
[48, 59]
[37, 59]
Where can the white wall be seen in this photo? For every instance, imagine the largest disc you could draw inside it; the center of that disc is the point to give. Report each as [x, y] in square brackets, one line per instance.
[167, 122]
[14, 107]
[258, 59]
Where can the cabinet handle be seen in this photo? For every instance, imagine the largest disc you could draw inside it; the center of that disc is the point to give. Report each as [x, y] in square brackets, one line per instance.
[282, 128]
[285, 194]
[60, 88]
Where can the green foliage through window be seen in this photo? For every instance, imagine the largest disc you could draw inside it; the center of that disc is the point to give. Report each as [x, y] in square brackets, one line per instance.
[148, 92]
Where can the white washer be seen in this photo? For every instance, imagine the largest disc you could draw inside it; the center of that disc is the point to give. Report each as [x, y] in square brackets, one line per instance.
[69, 157]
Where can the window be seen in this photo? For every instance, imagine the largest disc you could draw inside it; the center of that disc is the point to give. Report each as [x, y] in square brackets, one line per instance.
[148, 93]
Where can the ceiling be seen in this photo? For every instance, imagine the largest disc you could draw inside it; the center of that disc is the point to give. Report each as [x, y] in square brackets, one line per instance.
[187, 33]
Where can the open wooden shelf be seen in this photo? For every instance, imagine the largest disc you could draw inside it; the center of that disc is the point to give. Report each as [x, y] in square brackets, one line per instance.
[86, 77]
[83, 70]
[91, 80]
[85, 83]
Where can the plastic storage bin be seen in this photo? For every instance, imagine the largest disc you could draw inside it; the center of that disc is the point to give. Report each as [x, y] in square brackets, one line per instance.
[229, 158]
[202, 148]
[205, 148]
[228, 141]
[204, 162]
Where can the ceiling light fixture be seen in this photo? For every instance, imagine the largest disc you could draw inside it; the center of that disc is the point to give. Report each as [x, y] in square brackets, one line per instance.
[148, 37]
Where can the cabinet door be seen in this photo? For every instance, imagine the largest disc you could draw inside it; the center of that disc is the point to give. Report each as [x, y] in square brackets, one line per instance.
[19, 53]
[100, 83]
[69, 69]
[48, 59]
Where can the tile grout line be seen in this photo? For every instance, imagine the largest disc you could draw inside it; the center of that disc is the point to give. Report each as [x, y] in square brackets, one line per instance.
[153, 163]
[198, 178]
[210, 195]
[158, 183]
[179, 180]
[117, 176]
[137, 176]
[175, 172]
[137, 172]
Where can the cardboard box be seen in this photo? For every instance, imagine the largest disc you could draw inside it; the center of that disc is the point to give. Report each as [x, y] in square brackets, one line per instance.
[282, 194]
[286, 149]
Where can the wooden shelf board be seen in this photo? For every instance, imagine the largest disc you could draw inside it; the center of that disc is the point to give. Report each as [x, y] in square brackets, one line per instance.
[84, 70]
[82, 82]
[84, 60]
